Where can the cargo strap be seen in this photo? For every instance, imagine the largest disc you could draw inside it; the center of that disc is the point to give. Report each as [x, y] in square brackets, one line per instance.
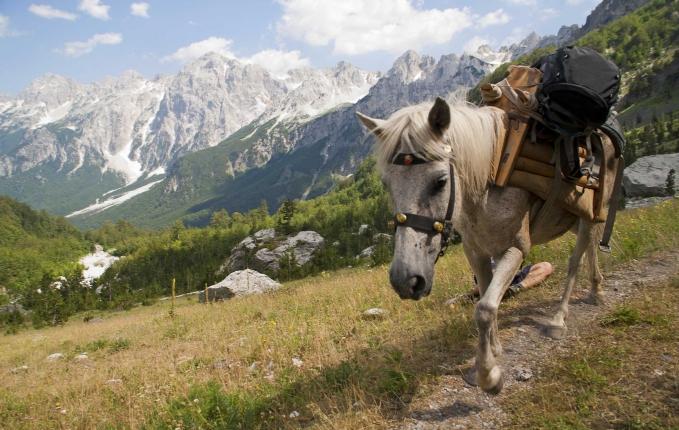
[547, 206]
[612, 207]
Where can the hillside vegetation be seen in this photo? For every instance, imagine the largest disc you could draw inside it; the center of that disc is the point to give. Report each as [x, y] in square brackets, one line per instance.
[33, 244]
[230, 365]
[193, 255]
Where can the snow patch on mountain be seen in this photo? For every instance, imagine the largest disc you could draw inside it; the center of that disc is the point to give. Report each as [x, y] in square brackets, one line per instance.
[55, 114]
[122, 162]
[114, 201]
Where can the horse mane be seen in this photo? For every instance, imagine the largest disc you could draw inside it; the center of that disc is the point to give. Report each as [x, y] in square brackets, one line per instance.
[469, 142]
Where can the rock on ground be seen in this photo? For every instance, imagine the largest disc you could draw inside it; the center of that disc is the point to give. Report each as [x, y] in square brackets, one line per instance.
[647, 176]
[375, 313]
[240, 283]
[55, 357]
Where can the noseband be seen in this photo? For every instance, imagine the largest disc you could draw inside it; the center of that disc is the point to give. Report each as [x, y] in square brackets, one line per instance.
[422, 223]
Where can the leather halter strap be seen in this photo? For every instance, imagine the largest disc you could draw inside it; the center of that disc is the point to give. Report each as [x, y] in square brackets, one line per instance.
[426, 224]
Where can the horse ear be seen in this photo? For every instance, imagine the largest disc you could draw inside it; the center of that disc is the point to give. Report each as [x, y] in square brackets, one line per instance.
[439, 116]
[372, 124]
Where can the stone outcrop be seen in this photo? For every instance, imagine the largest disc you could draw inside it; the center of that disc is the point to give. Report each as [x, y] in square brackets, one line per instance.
[239, 283]
[263, 250]
[647, 176]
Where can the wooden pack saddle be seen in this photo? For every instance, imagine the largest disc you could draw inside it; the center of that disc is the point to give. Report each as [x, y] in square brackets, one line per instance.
[526, 157]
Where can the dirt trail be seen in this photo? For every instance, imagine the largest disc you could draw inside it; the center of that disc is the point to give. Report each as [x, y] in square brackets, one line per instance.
[453, 404]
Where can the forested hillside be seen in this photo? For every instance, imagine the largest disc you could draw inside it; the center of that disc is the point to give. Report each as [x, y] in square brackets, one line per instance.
[33, 244]
[193, 255]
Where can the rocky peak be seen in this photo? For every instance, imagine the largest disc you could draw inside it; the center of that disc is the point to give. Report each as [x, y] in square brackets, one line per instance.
[411, 66]
[609, 10]
[53, 90]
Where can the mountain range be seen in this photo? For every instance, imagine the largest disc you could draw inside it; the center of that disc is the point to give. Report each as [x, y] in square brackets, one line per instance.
[218, 134]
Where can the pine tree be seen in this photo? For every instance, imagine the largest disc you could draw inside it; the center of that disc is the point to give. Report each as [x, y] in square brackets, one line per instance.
[220, 219]
[285, 214]
[669, 183]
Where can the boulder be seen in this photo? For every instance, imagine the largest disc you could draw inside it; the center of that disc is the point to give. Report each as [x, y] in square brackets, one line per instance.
[302, 246]
[266, 235]
[240, 283]
[363, 229]
[12, 308]
[55, 357]
[375, 314]
[366, 253]
[381, 238]
[266, 258]
[647, 176]
[238, 258]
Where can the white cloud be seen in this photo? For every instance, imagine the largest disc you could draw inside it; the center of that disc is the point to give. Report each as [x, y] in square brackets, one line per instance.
[140, 9]
[278, 63]
[200, 48]
[49, 12]
[275, 61]
[95, 8]
[548, 13]
[575, 2]
[360, 26]
[76, 49]
[523, 2]
[4, 26]
[473, 44]
[494, 18]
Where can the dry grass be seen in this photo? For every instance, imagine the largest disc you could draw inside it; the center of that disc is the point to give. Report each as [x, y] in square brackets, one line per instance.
[621, 374]
[146, 369]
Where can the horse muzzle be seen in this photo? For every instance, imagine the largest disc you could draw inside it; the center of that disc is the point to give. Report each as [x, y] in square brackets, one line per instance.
[409, 286]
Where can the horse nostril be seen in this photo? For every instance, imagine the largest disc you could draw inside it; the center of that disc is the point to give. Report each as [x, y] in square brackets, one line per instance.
[417, 286]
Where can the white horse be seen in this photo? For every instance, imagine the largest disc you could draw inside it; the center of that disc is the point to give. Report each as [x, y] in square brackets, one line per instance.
[432, 157]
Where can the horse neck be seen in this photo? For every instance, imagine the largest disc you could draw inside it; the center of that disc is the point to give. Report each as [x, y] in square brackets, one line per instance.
[473, 145]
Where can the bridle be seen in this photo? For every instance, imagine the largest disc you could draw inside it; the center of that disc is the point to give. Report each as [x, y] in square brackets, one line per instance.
[422, 223]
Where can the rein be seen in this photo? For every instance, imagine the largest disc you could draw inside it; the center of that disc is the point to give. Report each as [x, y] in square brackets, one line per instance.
[422, 223]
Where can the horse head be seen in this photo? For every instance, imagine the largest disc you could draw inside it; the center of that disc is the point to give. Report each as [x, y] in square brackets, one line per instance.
[414, 158]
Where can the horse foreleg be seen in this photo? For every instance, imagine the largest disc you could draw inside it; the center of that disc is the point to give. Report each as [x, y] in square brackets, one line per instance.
[488, 373]
[557, 327]
[596, 296]
[481, 267]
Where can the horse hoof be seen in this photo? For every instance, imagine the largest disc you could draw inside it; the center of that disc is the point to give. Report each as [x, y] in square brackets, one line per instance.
[470, 377]
[496, 380]
[555, 332]
[596, 299]
[495, 390]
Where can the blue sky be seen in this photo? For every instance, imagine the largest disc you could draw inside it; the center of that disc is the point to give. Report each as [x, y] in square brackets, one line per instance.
[89, 39]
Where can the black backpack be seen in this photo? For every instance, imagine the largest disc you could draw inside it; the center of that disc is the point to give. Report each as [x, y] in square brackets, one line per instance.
[579, 87]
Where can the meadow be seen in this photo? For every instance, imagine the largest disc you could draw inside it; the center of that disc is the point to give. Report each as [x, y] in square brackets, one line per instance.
[304, 356]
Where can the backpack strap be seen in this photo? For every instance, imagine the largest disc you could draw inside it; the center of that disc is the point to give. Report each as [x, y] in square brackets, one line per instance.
[612, 207]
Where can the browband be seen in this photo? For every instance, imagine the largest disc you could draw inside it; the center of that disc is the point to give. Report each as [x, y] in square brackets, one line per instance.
[408, 160]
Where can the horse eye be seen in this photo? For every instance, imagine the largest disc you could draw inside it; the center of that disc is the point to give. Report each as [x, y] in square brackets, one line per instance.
[440, 183]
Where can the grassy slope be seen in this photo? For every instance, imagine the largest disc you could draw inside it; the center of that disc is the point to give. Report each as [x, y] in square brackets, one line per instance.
[622, 373]
[197, 369]
[32, 243]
